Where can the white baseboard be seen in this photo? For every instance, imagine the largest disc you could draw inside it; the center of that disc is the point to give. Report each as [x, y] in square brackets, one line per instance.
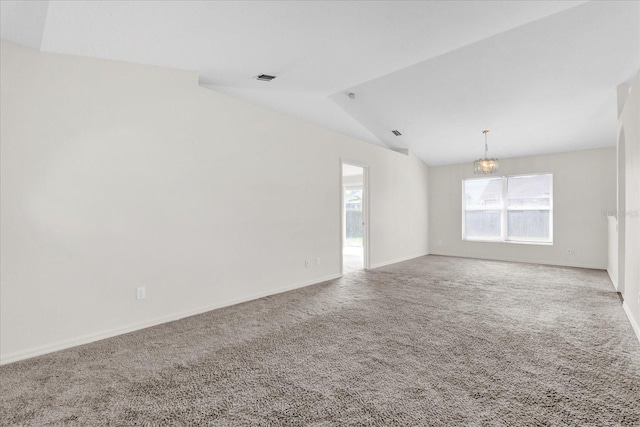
[634, 322]
[89, 338]
[394, 261]
[524, 261]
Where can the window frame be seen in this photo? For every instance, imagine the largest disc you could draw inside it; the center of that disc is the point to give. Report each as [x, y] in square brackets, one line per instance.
[504, 211]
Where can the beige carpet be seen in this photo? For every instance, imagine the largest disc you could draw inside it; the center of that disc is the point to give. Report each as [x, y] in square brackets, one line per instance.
[435, 341]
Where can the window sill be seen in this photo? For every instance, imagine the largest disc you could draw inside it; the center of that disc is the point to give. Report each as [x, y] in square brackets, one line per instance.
[513, 242]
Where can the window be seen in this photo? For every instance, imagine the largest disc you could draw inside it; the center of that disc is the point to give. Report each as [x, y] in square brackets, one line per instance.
[515, 208]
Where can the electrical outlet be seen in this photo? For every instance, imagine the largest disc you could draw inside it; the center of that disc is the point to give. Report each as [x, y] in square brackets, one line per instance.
[306, 263]
[571, 251]
[141, 293]
[318, 261]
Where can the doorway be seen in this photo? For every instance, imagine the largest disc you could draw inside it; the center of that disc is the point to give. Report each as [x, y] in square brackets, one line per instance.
[354, 201]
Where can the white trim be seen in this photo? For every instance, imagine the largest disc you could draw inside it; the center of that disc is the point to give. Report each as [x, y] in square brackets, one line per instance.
[634, 322]
[366, 250]
[342, 215]
[512, 242]
[89, 338]
[504, 210]
[524, 261]
[366, 206]
[394, 261]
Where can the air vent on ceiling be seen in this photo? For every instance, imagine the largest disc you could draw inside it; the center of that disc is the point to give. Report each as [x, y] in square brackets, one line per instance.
[265, 77]
[396, 132]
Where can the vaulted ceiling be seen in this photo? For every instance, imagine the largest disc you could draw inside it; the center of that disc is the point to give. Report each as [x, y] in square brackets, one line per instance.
[542, 75]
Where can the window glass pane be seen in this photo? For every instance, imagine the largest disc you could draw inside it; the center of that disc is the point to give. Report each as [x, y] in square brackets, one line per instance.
[529, 225]
[526, 212]
[483, 193]
[353, 216]
[482, 224]
[529, 191]
[353, 199]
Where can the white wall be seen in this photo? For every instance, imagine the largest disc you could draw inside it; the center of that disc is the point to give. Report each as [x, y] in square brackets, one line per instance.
[116, 175]
[630, 176]
[584, 188]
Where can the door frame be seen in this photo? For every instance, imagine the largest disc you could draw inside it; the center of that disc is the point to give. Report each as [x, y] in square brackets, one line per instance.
[621, 208]
[365, 213]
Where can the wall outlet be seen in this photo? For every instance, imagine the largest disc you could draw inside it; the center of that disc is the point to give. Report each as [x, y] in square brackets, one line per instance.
[571, 251]
[141, 293]
[306, 263]
[318, 261]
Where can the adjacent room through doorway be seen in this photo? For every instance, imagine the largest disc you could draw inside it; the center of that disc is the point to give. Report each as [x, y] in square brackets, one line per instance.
[353, 218]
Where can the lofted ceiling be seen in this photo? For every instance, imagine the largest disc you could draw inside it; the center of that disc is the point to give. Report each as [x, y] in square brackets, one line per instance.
[542, 75]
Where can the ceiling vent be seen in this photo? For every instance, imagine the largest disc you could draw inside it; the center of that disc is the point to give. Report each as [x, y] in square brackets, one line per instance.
[396, 132]
[265, 77]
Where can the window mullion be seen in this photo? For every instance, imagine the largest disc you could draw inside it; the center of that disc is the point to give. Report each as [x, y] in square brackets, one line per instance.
[503, 215]
[487, 215]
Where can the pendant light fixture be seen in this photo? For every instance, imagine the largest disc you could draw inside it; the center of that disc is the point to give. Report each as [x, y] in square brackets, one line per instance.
[485, 166]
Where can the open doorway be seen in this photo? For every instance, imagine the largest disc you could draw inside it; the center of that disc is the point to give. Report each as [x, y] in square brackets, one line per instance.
[354, 218]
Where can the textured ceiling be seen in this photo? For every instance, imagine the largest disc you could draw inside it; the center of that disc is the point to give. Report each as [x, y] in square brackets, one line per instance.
[542, 75]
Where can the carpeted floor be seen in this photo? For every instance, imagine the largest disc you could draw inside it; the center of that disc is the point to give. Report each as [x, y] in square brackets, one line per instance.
[434, 341]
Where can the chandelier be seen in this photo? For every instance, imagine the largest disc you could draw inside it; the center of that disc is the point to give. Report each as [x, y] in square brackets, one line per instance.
[485, 166]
